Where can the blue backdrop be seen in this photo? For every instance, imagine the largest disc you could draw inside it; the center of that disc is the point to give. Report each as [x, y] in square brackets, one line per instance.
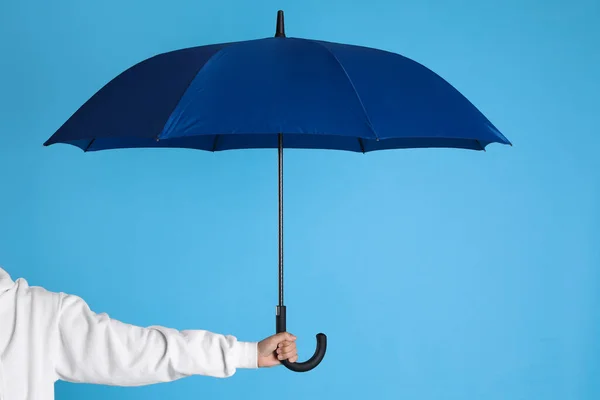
[436, 274]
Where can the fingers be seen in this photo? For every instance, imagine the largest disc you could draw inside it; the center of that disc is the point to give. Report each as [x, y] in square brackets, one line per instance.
[287, 351]
[276, 340]
[281, 345]
[276, 348]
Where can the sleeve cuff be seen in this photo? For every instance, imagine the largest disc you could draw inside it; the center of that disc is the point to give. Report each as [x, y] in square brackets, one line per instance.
[245, 355]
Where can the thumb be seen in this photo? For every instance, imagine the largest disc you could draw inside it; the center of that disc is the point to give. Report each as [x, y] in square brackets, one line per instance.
[284, 336]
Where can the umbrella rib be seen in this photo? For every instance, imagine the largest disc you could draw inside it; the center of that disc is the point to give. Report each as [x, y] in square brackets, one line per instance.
[214, 146]
[361, 144]
[480, 145]
[89, 145]
[362, 105]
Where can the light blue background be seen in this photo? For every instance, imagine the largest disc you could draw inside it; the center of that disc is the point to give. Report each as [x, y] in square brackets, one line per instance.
[436, 274]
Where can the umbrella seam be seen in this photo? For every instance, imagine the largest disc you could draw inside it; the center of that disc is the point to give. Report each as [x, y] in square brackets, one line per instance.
[352, 85]
[225, 45]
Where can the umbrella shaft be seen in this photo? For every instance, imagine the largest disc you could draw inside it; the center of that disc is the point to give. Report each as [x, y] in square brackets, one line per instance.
[280, 154]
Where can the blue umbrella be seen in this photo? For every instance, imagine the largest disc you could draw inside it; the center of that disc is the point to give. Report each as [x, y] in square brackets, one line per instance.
[265, 93]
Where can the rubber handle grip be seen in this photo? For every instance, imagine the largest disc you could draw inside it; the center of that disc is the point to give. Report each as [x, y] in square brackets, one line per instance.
[317, 357]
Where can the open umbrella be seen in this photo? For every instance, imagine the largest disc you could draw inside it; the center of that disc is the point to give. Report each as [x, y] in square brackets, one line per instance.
[277, 91]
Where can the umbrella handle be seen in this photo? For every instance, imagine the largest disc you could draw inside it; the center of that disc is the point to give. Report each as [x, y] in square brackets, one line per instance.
[311, 362]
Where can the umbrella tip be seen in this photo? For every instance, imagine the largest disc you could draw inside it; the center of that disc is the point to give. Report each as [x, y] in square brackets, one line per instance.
[280, 30]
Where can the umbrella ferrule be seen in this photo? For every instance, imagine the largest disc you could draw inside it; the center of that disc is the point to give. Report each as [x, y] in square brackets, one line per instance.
[280, 29]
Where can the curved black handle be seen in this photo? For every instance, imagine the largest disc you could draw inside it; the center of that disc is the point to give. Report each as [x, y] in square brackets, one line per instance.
[311, 362]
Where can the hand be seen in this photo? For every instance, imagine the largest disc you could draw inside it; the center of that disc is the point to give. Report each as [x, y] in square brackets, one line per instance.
[276, 348]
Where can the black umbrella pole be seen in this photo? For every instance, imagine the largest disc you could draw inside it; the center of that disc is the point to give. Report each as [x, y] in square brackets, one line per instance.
[280, 164]
[281, 313]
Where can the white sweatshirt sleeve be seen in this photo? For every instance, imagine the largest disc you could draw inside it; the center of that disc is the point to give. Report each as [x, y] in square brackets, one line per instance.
[93, 348]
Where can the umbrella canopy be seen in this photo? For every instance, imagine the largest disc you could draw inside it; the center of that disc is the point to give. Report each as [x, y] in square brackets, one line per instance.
[257, 93]
[241, 95]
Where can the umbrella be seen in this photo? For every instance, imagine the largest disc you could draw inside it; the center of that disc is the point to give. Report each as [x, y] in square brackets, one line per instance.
[278, 92]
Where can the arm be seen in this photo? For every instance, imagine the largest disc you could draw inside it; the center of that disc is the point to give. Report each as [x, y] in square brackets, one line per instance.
[92, 348]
